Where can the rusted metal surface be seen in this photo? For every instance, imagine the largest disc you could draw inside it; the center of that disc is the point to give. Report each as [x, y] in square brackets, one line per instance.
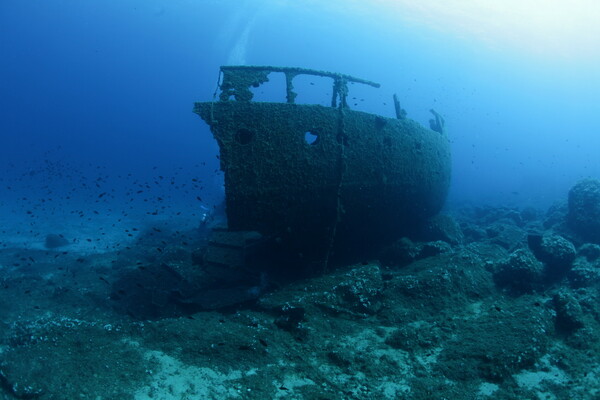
[366, 179]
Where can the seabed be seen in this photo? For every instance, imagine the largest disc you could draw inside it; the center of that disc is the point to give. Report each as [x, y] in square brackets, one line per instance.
[427, 319]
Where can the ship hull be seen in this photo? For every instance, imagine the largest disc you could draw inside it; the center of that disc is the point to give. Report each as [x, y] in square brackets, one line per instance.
[365, 180]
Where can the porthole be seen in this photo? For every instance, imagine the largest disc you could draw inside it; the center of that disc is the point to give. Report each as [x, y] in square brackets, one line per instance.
[244, 136]
[311, 137]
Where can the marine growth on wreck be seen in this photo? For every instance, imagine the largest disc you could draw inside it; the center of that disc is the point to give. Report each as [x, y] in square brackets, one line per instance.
[364, 180]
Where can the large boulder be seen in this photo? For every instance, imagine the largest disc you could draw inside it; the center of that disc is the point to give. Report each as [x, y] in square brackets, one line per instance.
[569, 314]
[556, 252]
[442, 227]
[584, 209]
[590, 251]
[585, 271]
[519, 273]
[556, 215]
[506, 234]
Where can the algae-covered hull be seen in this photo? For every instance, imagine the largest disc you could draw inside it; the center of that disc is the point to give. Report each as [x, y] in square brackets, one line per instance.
[365, 179]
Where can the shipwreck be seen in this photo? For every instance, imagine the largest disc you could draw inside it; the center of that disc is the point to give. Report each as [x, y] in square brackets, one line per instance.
[364, 180]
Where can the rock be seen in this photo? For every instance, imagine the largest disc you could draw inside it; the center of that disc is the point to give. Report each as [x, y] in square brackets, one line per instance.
[584, 209]
[534, 242]
[472, 232]
[485, 212]
[53, 241]
[173, 255]
[146, 293]
[569, 315]
[556, 252]
[580, 277]
[355, 292]
[489, 215]
[529, 214]
[506, 235]
[590, 251]
[290, 318]
[340, 359]
[404, 252]
[19, 391]
[198, 256]
[430, 249]
[360, 292]
[519, 273]
[399, 254]
[174, 289]
[584, 273]
[555, 215]
[497, 344]
[436, 283]
[515, 217]
[442, 227]
[410, 337]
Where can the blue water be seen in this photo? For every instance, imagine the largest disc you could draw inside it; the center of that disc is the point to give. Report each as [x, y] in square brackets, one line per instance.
[96, 97]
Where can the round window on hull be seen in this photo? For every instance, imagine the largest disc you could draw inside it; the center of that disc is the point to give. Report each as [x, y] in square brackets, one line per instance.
[244, 136]
[311, 137]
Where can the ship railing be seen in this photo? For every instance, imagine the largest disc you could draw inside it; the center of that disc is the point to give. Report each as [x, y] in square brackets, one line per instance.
[236, 81]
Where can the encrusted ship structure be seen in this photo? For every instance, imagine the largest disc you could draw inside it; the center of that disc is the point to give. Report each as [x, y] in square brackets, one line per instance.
[365, 180]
